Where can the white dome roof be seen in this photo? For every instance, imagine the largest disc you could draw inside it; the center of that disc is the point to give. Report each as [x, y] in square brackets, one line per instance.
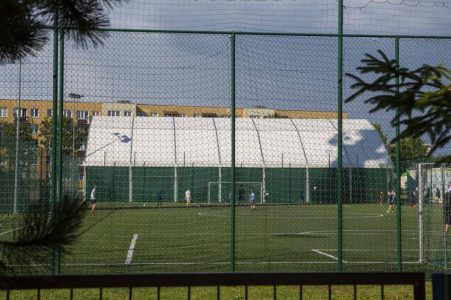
[168, 141]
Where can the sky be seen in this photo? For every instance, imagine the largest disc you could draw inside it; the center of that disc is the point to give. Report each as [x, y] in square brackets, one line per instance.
[360, 16]
[273, 71]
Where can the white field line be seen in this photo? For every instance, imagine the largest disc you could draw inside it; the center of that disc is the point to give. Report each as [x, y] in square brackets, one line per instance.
[370, 250]
[310, 217]
[221, 263]
[332, 232]
[131, 249]
[12, 230]
[328, 255]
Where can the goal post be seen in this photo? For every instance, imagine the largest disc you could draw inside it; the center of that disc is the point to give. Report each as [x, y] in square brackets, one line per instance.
[221, 191]
[431, 191]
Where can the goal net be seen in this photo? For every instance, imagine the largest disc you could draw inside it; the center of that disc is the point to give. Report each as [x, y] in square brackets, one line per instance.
[431, 189]
[221, 192]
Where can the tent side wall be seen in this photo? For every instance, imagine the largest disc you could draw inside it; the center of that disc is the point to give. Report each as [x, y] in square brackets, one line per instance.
[112, 183]
[151, 184]
[364, 185]
[196, 179]
[284, 185]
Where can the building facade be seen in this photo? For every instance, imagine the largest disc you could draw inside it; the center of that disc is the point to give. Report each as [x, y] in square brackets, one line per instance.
[36, 111]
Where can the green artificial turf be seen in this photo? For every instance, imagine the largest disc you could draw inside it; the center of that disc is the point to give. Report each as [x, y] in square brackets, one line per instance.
[297, 238]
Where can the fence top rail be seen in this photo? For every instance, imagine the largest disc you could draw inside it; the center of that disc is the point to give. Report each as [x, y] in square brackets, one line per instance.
[416, 279]
[262, 33]
[275, 33]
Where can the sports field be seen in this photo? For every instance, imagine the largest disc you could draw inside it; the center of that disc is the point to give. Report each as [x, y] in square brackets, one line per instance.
[269, 238]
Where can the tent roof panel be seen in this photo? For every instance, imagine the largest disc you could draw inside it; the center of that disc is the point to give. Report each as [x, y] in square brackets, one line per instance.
[166, 141]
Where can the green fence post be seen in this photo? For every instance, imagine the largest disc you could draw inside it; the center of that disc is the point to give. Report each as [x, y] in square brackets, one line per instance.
[398, 175]
[53, 144]
[59, 164]
[340, 139]
[232, 124]
[290, 194]
[192, 178]
[54, 255]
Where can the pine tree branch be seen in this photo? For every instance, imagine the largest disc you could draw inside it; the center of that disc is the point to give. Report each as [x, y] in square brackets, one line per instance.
[45, 227]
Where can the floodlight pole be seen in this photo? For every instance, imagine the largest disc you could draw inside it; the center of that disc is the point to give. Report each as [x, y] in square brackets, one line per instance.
[16, 163]
[74, 96]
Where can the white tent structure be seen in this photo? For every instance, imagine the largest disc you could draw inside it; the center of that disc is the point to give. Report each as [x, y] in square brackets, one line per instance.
[168, 141]
[206, 142]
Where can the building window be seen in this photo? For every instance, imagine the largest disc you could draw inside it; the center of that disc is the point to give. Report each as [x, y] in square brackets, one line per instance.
[171, 114]
[209, 115]
[3, 112]
[23, 112]
[49, 113]
[35, 113]
[114, 113]
[96, 113]
[34, 129]
[127, 113]
[67, 113]
[82, 114]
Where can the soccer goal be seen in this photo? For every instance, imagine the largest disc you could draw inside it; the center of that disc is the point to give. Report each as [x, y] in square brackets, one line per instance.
[431, 188]
[221, 191]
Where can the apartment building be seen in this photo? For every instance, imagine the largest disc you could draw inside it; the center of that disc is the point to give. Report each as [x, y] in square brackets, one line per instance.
[36, 111]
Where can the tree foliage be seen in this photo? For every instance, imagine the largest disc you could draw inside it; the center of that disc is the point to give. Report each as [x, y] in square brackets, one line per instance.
[73, 136]
[422, 106]
[23, 23]
[27, 145]
[43, 228]
[411, 148]
[9, 130]
[24, 31]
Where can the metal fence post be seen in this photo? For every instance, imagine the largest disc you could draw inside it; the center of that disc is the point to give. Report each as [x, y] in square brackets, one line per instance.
[340, 140]
[398, 175]
[54, 143]
[59, 164]
[232, 124]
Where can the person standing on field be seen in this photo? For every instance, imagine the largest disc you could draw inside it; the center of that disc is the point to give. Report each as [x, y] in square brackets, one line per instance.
[252, 199]
[187, 197]
[160, 197]
[391, 201]
[93, 200]
[437, 196]
[447, 209]
[381, 198]
[240, 194]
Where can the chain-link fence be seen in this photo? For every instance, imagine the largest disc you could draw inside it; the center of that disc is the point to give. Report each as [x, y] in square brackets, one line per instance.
[218, 151]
